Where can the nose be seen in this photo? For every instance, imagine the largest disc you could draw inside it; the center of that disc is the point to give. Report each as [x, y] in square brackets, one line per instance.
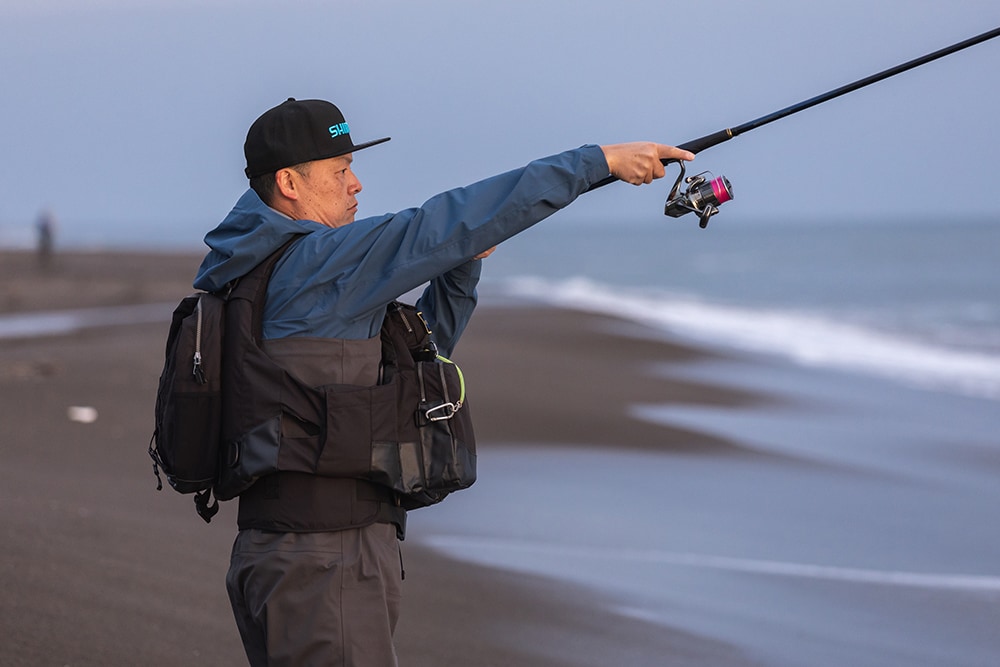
[354, 186]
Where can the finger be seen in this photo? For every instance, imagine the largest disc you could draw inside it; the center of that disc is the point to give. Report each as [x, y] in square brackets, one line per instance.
[674, 153]
[658, 170]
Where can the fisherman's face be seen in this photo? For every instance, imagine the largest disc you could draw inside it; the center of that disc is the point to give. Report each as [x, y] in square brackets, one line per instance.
[328, 192]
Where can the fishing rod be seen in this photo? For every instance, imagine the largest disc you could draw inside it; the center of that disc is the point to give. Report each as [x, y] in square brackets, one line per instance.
[703, 197]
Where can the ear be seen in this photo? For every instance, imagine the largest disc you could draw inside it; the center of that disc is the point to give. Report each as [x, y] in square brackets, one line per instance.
[287, 182]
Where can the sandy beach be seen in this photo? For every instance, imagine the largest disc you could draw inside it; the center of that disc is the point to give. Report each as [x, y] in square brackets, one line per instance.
[101, 569]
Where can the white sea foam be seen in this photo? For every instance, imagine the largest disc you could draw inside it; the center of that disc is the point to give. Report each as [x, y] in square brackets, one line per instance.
[805, 338]
[490, 551]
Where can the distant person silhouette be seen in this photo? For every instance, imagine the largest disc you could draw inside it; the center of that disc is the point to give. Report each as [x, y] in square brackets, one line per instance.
[46, 228]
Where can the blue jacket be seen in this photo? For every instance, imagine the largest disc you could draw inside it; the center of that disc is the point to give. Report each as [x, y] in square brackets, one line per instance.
[336, 282]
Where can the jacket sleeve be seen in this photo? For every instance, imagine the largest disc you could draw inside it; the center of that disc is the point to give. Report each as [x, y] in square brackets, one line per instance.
[447, 304]
[380, 258]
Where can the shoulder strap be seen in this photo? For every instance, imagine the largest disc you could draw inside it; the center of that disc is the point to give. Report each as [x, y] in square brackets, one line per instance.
[253, 286]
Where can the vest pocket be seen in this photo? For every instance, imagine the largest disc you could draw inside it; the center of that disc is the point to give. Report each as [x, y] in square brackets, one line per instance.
[353, 416]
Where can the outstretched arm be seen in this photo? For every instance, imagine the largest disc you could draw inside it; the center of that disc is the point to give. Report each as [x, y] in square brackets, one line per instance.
[449, 300]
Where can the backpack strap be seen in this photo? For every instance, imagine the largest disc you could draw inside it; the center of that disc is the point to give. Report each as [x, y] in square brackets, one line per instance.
[253, 286]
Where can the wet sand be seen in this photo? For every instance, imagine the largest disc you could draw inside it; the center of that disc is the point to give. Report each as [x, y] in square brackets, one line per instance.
[101, 569]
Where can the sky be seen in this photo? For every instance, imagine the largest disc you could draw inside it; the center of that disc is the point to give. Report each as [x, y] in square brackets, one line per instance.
[127, 119]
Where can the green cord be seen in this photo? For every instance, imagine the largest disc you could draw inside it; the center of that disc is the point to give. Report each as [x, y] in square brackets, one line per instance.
[461, 378]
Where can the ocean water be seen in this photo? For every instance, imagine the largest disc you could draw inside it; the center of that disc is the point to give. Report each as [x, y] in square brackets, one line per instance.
[918, 302]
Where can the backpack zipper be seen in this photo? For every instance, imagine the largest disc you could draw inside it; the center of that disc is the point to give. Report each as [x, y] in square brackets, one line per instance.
[198, 372]
[402, 316]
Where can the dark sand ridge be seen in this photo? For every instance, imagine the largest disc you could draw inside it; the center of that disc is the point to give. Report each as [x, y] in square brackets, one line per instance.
[102, 570]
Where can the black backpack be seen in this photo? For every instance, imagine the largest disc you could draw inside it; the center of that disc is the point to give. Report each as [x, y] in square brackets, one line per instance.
[188, 412]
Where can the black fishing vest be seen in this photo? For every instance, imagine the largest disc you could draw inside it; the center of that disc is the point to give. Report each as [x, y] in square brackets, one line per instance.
[386, 430]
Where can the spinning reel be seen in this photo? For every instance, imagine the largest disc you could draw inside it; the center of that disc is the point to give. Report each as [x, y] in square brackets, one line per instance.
[701, 196]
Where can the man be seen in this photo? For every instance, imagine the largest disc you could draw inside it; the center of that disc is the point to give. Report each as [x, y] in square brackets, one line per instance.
[315, 576]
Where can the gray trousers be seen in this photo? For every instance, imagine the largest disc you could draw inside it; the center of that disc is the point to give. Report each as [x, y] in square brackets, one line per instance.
[317, 599]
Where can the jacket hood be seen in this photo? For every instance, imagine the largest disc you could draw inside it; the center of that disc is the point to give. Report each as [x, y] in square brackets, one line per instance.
[247, 236]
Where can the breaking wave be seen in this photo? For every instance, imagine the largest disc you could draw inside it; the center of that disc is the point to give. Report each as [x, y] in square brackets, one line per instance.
[808, 339]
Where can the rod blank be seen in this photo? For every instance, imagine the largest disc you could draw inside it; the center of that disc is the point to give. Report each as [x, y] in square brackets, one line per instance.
[716, 138]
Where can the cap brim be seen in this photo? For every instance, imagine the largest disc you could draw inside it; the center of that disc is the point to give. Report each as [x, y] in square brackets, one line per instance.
[372, 143]
[353, 149]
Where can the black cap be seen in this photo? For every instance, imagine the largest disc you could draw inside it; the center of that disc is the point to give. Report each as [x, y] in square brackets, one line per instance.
[298, 131]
